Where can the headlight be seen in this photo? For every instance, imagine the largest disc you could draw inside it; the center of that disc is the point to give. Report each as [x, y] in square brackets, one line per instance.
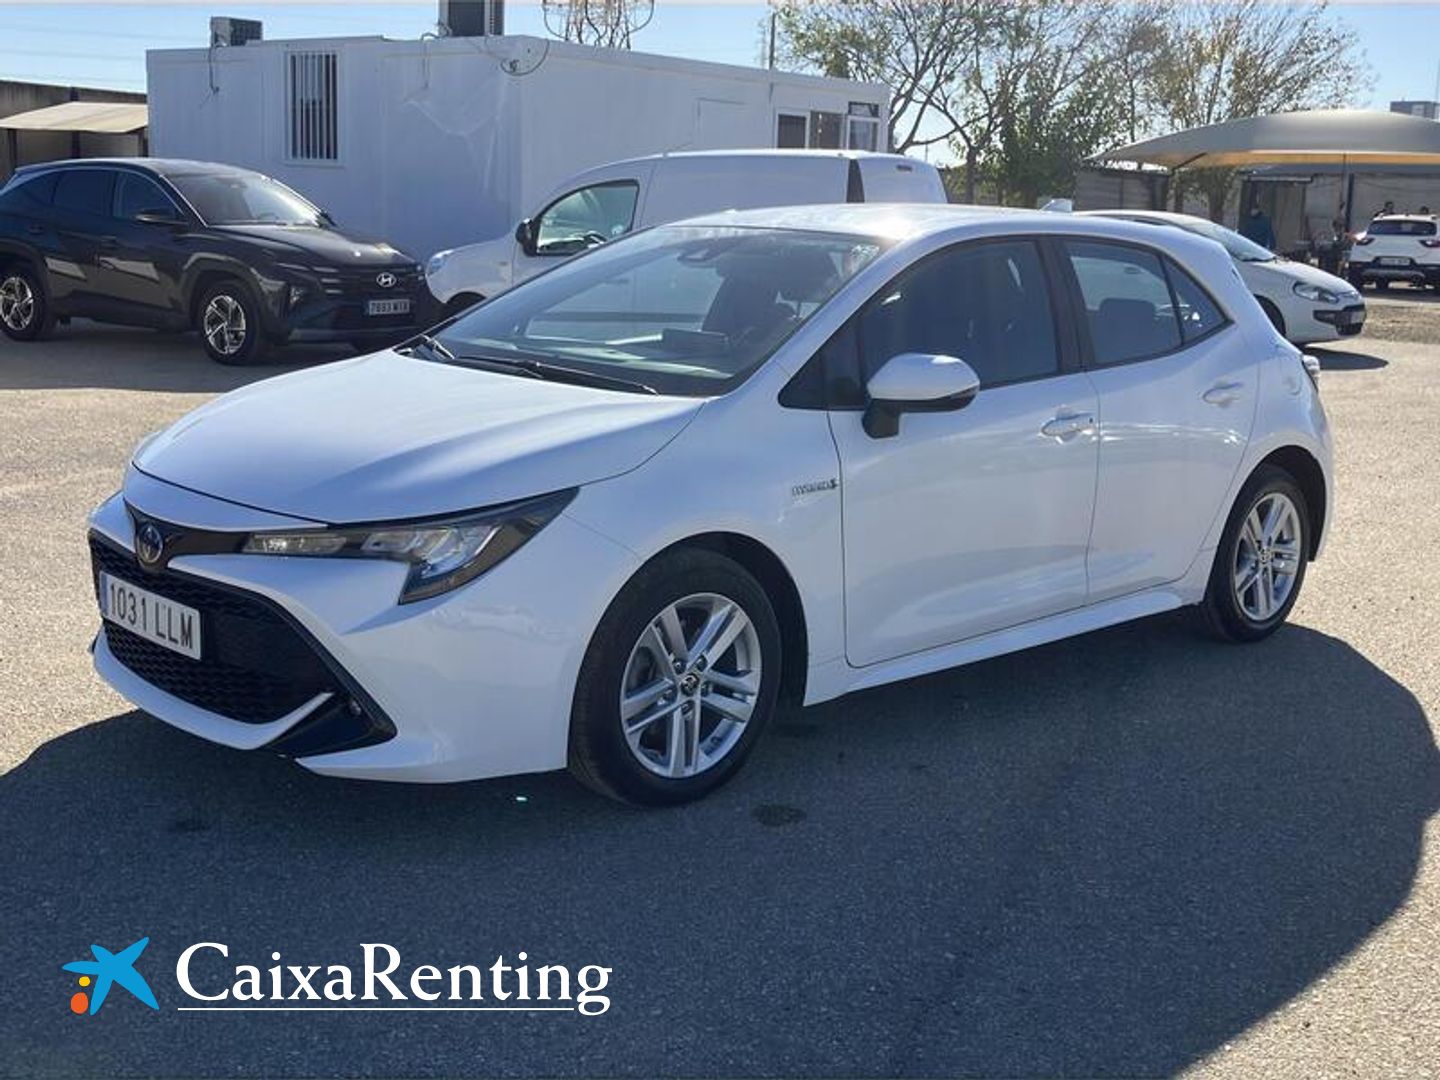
[1315, 293]
[443, 554]
[434, 264]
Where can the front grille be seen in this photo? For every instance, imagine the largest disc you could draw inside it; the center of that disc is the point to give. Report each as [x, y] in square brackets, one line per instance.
[255, 665]
[356, 282]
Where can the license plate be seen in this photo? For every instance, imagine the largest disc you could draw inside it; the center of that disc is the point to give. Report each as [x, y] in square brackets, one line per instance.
[154, 618]
[388, 307]
[1394, 260]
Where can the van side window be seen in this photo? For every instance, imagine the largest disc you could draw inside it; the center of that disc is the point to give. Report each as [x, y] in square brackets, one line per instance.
[1128, 307]
[584, 218]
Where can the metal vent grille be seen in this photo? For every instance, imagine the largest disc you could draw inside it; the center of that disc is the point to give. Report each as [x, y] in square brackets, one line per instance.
[312, 91]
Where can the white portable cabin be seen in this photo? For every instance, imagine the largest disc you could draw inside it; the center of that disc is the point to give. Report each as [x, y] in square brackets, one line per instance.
[440, 142]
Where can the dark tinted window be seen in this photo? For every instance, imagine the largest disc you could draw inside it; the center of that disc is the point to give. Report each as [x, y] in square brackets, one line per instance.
[30, 194]
[136, 194]
[1127, 301]
[1401, 228]
[986, 303]
[85, 191]
[1198, 314]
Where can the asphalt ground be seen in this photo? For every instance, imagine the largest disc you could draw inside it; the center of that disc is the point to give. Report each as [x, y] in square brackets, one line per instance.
[1133, 853]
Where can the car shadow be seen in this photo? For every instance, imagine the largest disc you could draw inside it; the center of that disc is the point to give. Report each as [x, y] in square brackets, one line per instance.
[1103, 857]
[1333, 359]
[84, 355]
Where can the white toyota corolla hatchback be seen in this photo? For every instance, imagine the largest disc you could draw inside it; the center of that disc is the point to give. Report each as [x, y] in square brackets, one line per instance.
[608, 518]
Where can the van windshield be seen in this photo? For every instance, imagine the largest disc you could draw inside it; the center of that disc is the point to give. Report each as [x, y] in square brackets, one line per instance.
[684, 310]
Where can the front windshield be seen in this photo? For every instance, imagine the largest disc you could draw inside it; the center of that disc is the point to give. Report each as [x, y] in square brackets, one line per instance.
[1238, 246]
[682, 309]
[244, 199]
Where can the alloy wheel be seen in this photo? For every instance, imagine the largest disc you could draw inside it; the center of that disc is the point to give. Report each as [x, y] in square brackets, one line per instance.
[1268, 557]
[690, 685]
[17, 303]
[224, 325]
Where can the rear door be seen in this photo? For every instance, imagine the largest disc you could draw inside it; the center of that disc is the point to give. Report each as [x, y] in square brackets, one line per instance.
[80, 216]
[1177, 393]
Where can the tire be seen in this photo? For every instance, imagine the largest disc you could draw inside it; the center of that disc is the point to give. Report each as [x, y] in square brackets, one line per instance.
[1273, 314]
[632, 650]
[240, 338]
[1381, 285]
[25, 313]
[458, 303]
[1235, 613]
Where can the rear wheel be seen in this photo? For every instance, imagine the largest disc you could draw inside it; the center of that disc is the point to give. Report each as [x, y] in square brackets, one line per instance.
[679, 682]
[229, 323]
[24, 311]
[1260, 564]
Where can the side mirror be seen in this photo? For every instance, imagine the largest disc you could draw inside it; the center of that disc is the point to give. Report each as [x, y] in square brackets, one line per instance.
[916, 382]
[159, 217]
[525, 236]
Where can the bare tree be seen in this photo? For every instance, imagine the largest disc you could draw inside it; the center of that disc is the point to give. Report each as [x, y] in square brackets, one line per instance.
[607, 23]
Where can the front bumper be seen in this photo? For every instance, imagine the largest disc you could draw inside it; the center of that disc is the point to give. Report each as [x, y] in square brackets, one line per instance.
[1347, 321]
[331, 308]
[476, 683]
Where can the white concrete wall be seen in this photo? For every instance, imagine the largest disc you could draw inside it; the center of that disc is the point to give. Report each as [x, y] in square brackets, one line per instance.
[451, 141]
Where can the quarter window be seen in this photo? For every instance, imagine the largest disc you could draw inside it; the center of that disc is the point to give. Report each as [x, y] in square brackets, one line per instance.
[587, 217]
[1127, 301]
[1198, 314]
[29, 195]
[986, 303]
[85, 191]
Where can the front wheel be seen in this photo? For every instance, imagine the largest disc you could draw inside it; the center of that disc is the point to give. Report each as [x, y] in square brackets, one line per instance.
[679, 682]
[229, 324]
[24, 313]
[1260, 563]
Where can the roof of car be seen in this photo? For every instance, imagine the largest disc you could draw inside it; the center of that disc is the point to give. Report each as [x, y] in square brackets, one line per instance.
[163, 166]
[1147, 215]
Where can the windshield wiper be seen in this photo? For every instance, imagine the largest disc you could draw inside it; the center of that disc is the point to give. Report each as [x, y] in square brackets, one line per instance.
[429, 343]
[545, 369]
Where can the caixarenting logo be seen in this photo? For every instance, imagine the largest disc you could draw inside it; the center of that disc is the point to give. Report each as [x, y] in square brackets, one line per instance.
[379, 982]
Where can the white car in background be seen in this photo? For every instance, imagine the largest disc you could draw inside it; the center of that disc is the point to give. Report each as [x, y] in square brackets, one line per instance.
[607, 202]
[1305, 304]
[580, 526]
[1397, 247]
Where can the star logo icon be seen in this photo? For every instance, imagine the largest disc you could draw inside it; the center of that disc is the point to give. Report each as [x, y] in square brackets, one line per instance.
[106, 970]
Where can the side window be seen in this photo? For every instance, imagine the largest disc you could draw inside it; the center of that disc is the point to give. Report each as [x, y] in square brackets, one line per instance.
[587, 217]
[987, 303]
[30, 195]
[136, 194]
[1127, 301]
[1198, 314]
[85, 191]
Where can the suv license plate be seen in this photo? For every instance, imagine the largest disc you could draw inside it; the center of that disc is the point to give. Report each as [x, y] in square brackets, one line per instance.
[387, 307]
[165, 623]
[1394, 260]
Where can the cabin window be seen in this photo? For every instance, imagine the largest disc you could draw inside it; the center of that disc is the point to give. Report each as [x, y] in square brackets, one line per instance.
[862, 126]
[312, 96]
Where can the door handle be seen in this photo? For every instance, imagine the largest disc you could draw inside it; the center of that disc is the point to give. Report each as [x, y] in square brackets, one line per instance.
[1067, 424]
[109, 243]
[1223, 393]
[34, 229]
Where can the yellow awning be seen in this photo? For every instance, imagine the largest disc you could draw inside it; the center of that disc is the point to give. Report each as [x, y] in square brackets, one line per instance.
[100, 117]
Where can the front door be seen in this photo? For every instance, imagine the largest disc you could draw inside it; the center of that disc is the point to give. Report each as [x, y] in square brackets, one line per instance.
[143, 262]
[1177, 386]
[576, 222]
[971, 521]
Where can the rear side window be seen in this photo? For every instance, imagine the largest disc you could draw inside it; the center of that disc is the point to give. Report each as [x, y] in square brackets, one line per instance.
[1127, 301]
[1401, 228]
[986, 303]
[85, 191]
[1197, 312]
[29, 195]
[136, 194]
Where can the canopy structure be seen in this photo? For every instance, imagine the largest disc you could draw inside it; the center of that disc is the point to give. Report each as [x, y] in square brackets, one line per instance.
[1347, 137]
[98, 117]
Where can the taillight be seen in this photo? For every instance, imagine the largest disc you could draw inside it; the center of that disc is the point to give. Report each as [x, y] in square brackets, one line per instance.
[1312, 368]
[1431, 243]
[1361, 241]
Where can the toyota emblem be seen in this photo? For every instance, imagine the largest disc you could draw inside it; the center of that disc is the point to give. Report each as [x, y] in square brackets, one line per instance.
[385, 280]
[149, 543]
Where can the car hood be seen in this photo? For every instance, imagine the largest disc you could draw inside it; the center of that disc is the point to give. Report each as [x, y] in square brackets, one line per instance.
[1285, 274]
[390, 437]
[329, 246]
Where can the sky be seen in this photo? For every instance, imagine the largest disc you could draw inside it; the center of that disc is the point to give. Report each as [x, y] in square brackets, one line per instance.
[104, 45]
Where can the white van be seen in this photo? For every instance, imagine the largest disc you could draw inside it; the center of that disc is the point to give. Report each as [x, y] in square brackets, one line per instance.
[603, 203]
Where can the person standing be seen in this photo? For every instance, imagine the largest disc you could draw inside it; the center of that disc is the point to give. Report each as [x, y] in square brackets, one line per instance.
[1257, 227]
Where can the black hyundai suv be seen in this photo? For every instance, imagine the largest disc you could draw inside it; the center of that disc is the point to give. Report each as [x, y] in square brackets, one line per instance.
[191, 245]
